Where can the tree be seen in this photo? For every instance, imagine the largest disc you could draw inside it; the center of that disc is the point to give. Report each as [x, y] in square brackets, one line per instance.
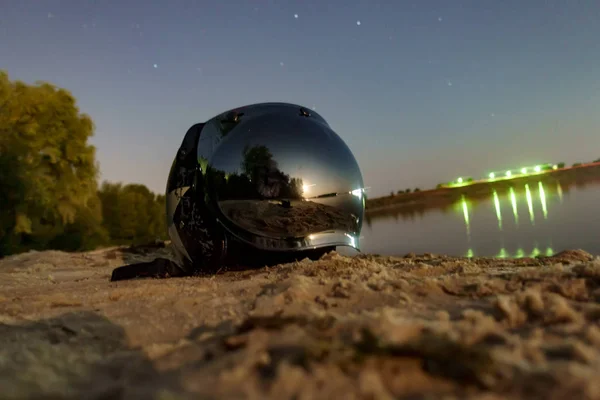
[132, 213]
[560, 165]
[48, 168]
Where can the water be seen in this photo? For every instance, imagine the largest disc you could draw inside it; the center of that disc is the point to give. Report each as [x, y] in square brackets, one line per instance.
[540, 218]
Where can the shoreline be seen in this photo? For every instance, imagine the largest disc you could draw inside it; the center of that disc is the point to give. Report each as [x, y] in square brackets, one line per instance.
[434, 198]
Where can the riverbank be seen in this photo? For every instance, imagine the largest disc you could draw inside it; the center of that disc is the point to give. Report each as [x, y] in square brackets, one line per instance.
[362, 327]
[436, 198]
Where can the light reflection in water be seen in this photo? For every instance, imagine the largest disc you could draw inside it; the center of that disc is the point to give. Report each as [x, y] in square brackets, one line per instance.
[529, 204]
[559, 191]
[498, 212]
[512, 195]
[464, 203]
[466, 214]
[520, 253]
[502, 253]
[543, 199]
[513, 200]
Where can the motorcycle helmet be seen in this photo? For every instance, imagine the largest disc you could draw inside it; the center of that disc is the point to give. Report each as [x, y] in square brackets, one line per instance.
[261, 184]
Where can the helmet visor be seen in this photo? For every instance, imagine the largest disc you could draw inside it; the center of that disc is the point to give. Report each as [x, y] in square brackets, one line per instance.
[279, 178]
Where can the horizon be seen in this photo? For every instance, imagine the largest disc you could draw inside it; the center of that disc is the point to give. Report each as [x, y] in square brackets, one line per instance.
[421, 93]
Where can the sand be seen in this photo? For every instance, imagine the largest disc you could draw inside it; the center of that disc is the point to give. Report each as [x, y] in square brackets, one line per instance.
[365, 327]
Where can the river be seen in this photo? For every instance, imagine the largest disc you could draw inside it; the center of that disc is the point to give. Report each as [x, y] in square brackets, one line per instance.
[521, 221]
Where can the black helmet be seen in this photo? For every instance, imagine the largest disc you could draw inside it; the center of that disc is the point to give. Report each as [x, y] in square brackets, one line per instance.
[263, 183]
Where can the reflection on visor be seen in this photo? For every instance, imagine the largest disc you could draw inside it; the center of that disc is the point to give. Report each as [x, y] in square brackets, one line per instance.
[283, 176]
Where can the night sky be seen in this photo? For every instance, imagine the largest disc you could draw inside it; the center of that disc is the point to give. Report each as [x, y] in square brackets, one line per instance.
[421, 91]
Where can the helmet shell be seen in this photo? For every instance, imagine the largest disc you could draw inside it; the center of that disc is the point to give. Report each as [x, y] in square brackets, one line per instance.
[274, 176]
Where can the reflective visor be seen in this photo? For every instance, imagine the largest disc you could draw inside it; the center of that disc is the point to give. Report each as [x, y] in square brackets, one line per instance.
[279, 178]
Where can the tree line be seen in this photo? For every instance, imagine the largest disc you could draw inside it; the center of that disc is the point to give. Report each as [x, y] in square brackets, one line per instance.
[50, 197]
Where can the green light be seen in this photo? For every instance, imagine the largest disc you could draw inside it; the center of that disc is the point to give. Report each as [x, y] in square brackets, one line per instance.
[529, 203]
[508, 173]
[498, 212]
[549, 252]
[513, 200]
[459, 180]
[520, 253]
[502, 254]
[535, 252]
[543, 199]
[523, 170]
[492, 175]
[466, 214]
[537, 168]
[470, 253]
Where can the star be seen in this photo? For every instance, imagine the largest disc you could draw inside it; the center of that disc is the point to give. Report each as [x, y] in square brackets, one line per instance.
[155, 65]
[281, 63]
[50, 15]
[492, 115]
[440, 19]
[449, 83]
[296, 16]
[357, 22]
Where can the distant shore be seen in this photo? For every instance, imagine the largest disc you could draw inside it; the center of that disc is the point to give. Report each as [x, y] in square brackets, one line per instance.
[445, 196]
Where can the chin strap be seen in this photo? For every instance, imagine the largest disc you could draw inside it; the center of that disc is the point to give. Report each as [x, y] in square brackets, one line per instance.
[158, 268]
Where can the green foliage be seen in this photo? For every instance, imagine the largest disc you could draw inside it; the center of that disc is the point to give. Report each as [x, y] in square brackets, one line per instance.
[560, 165]
[577, 164]
[48, 182]
[132, 214]
[48, 168]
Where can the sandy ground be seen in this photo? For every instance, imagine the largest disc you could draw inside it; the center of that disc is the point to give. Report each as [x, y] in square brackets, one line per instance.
[365, 327]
